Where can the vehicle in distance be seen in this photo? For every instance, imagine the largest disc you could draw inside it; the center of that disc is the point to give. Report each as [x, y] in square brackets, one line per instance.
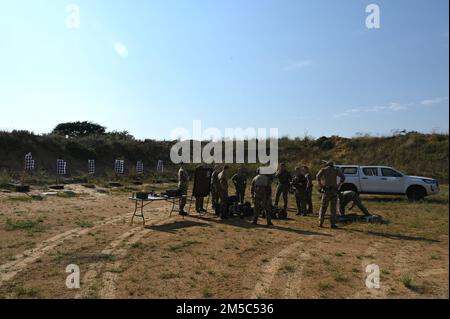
[387, 181]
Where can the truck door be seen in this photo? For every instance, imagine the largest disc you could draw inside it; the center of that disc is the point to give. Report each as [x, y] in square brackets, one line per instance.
[392, 181]
[370, 180]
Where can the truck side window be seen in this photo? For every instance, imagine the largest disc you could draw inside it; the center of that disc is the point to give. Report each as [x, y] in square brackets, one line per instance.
[370, 171]
[349, 170]
[390, 172]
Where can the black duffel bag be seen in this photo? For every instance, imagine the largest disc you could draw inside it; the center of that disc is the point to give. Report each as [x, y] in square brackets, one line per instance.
[172, 193]
[279, 213]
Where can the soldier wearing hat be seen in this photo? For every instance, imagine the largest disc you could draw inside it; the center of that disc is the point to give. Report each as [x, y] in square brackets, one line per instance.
[215, 188]
[223, 192]
[309, 190]
[284, 181]
[183, 179]
[240, 183]
[327, 181]
[299, 184]
[261, 191]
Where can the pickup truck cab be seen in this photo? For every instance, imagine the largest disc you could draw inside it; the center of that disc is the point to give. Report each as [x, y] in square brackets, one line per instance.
[388, 181]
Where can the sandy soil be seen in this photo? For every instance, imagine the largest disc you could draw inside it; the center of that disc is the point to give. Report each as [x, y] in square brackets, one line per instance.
[204, 257]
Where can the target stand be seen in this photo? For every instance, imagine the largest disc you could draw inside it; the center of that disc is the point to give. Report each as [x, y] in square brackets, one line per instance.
[28, 168]
[119, 168]
[61, 169]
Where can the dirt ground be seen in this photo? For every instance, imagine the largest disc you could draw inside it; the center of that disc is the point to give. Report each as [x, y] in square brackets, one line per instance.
[204, 257]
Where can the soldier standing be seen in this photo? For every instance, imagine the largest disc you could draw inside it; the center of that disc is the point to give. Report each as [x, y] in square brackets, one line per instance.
[299, 184]
[223, 192]
[199, 200]
[309, 190]
[240, 183]
[262, 197]
[284, 180]
[183, 179]
[350, 196]
[327, 180]
[215, 188]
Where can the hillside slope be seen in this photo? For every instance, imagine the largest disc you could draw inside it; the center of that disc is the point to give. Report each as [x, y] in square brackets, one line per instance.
[412, 153]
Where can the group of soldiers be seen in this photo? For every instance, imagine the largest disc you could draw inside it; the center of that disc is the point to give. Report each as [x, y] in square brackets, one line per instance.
[329, 179]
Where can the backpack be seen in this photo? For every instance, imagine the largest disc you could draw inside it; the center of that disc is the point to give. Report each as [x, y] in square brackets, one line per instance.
[279, 213]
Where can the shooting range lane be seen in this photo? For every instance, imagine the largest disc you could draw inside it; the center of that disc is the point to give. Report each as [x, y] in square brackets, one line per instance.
[203, 256]
[117, 250]
[268, 272]
[21, 261]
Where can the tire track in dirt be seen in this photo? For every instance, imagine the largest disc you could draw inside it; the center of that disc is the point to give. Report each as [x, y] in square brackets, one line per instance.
[117, 249]
[369, 259]
[294, 282]
[92, 272]
[109, 279]
[270, 270]
[10, 269]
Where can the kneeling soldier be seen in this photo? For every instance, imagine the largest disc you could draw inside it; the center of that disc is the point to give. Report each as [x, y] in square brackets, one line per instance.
[350, 196]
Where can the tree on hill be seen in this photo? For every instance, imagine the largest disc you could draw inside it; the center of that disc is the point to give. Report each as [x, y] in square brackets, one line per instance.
[79, 129]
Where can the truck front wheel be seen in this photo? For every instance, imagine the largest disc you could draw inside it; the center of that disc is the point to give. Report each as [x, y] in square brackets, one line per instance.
[416, 193]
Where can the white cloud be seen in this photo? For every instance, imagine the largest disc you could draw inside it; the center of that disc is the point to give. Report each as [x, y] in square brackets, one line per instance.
[296, 65]
[393, 107]
[121, 49]
[398, 107]
[436, 100]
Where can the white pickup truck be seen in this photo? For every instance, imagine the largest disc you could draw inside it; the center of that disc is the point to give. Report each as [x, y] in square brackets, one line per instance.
[387, 180]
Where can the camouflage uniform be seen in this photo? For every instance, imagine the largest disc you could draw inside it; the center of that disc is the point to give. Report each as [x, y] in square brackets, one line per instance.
[215, 190]
[299, 184]
[199, 204]
[223, 194]
[284, 179]
[240, 183]
[183, 179]
[309, 190]
[327, 178]
[351, 196]
[262, 197]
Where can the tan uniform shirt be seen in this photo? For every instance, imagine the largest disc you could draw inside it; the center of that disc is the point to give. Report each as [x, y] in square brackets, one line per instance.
[223, 182]
[261, 186]
[183, 178]
[327, 176]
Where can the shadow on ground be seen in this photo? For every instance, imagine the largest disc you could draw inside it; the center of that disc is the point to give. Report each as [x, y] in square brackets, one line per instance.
[172, 227]
[440, 201]
[393, 236]
[244, 223]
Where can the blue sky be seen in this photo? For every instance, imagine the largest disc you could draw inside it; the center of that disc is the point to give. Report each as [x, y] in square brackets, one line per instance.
[304, 67]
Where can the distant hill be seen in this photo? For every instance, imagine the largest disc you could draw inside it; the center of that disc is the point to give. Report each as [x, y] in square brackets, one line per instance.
[412, 153]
